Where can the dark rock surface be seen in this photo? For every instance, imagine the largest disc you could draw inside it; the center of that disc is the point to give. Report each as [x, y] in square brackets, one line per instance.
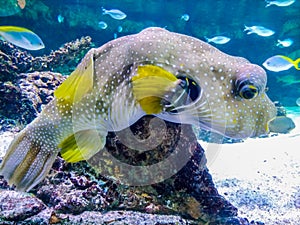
[23, 100]
[73, 193]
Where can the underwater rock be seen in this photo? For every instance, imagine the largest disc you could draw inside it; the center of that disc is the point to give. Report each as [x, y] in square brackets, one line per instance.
[22, 101]
[281, 123]
[14, 61]
[17, 206]
[23, 93]
[73, 193]
[39, 86]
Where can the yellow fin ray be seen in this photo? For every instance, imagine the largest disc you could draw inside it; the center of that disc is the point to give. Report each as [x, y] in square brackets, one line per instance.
[150, 86]
[82, 145]
[77, 84]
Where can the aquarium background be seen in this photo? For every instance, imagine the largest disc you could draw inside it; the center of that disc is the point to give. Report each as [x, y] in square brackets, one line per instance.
[206, 18]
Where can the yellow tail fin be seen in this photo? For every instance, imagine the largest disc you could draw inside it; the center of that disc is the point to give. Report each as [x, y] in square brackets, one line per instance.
[296, 63]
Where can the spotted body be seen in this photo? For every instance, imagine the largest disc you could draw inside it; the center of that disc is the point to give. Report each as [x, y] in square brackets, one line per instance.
[175, 77]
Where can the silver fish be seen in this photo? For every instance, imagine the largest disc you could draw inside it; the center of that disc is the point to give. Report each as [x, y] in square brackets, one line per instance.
[114, 13]
[279, 63]
[285, 43]
[102, 25]
[218, 40]
[281, 3]
[259, 30]
[172, 76]
[185, 17]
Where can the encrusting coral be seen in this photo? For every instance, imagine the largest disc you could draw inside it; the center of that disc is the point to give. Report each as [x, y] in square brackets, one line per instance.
[27, 82]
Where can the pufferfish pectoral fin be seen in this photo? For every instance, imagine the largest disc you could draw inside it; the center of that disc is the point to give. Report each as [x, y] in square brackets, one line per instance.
[150, 86]
[82, 145]
[78, 83]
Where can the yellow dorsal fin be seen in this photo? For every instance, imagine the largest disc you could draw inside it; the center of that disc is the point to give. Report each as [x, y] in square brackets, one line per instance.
[150, 86]
[82, 145]
[78, 83]
[14, 29]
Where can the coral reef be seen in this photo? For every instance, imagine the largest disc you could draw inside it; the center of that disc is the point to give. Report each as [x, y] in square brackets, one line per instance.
[22, 101]
[14, 61]
[17, 206]
[23, 89]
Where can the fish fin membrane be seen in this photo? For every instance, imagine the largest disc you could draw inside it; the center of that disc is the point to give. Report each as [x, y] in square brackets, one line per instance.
[150, 86]
[82, 145]
[77, 84]
[28, 160]
[14, 29]
[297, 61]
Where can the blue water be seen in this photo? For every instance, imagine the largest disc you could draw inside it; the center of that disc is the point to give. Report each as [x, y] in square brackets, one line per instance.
[206, 18]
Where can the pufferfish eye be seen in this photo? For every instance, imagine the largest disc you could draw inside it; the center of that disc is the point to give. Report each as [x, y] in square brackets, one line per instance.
[250, 81]
[248, 91]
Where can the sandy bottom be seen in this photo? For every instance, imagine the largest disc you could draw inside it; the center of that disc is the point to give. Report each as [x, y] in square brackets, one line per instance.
[260, 176]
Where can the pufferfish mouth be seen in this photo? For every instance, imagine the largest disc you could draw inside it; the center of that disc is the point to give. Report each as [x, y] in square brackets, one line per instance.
[186, 92]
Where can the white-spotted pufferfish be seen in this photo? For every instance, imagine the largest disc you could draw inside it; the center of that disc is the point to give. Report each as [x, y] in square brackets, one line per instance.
[172, 76]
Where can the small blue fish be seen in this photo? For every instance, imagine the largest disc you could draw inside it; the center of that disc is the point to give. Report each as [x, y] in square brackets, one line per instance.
[21, 37]
[60, 18]
[218, 40]
[280, 3]
[279, 63]
[115, 35]
[114, 13]
[185, 17]
[259, 30]
[285, 43]
[120, 29]
[102, 25]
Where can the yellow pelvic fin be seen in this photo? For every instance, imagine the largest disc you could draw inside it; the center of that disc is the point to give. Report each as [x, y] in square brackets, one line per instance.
[150, 86]
[77, 84]
[294, 62]
[82, 145]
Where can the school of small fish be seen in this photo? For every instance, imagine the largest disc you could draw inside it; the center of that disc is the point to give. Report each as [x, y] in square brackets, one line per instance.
[175, 77]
